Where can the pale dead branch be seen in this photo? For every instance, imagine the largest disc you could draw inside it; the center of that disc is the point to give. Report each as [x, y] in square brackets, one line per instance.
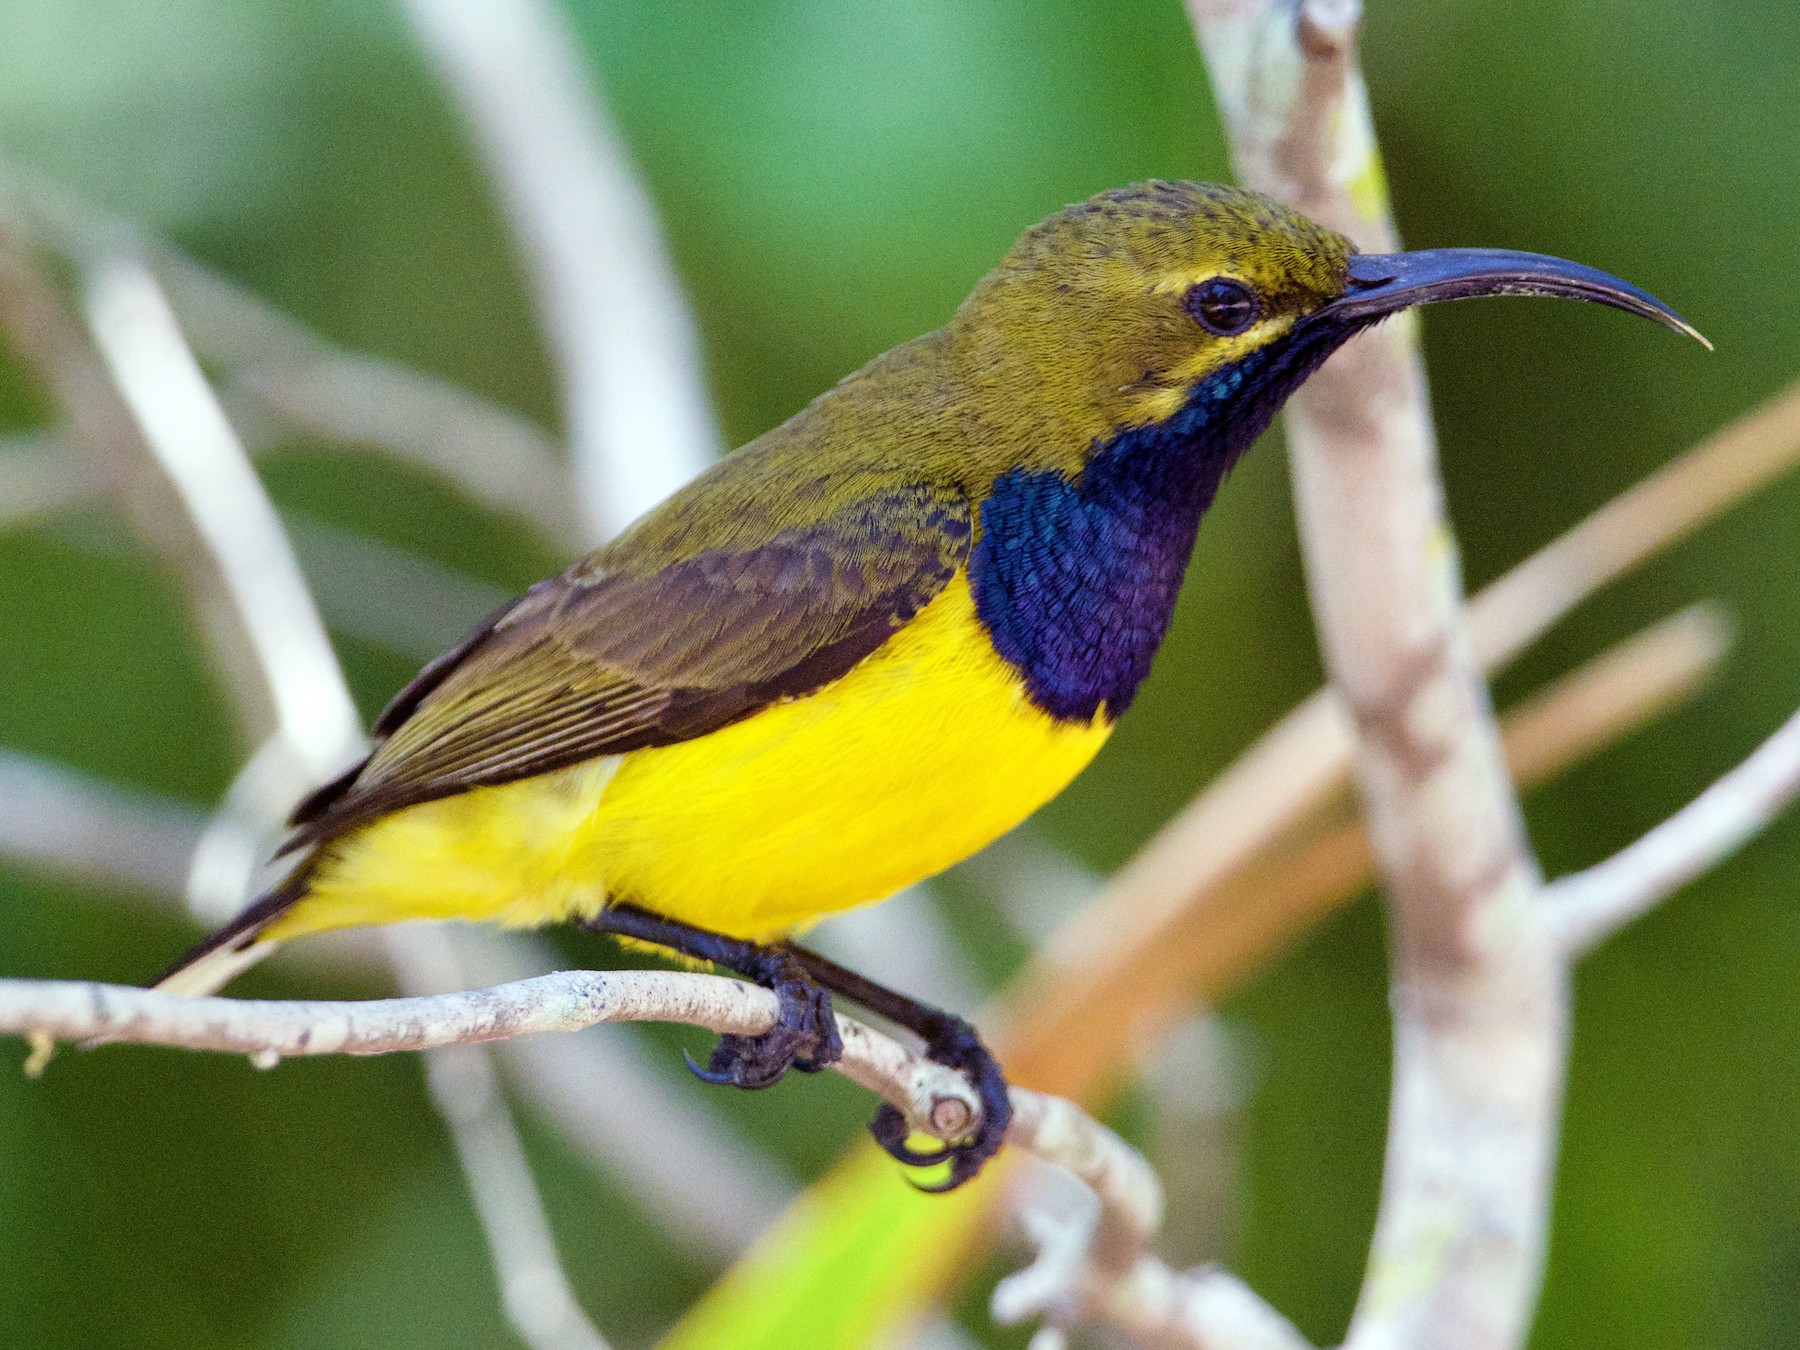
[1584, 909]
[639, 418]
[223, 541]
[534, 1289]
[242, 548]
[1079, 1038]
[280, 379]
[935, 1100]
[1480, 988]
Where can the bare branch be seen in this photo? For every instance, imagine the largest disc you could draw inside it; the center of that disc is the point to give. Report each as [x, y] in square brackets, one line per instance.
[1278, 791]
[1479, 991]
[281, 379]
[1586, 908]
[656, 1139]
[935, 1100]
[189, 484]
[55, 819]
[1079, 1277]
[601, 1094]
[700, 1180]
[243, 549]
[113, 454]
[638, 414]
[534, 1290]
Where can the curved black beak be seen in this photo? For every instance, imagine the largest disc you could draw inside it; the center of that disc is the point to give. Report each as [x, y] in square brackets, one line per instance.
[1384, 283]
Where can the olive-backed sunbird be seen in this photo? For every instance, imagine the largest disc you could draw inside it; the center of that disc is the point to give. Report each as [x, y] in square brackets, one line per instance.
[875, 638]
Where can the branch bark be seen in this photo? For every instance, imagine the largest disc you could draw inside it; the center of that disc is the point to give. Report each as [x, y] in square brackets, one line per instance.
[1583, 910]
[186, 482]
[639, 418]
[280, 379]
[936, 1100]
[1479, 990]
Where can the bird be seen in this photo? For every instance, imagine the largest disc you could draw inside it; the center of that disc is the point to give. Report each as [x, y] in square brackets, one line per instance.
[870, 641]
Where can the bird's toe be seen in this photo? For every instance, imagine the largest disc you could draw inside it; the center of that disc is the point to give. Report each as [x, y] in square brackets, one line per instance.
[959, 1048]
[804, 1037]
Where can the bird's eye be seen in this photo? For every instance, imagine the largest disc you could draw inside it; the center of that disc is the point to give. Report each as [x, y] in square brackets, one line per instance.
[1222, 306]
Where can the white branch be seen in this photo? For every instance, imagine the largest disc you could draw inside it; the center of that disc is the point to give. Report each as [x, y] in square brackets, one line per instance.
[935, 1100]
[187, 432]
[703, 1180]
[189, 486]
[614, 1101]
[603, 1094]
[534, 1289]
[1083, 1276]
[57, 819]
[638, 415]
[1479, 998]
[1584, 909]
[281, 379]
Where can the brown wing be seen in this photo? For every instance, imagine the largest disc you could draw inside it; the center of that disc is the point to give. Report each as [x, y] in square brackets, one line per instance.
[615, 655]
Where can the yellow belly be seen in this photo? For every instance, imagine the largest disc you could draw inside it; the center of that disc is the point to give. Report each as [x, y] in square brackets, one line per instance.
[918, 757]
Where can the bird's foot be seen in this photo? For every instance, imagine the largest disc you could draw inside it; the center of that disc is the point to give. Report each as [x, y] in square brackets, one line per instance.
[956, 1046]
[804, 1037]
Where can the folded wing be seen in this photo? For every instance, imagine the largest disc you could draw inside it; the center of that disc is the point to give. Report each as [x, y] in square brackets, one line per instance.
[640, 646]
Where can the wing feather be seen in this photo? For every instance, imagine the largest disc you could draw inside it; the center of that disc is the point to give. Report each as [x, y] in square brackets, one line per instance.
[621, 653]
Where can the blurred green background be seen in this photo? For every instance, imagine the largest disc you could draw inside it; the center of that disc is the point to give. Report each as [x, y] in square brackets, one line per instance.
[833, 176]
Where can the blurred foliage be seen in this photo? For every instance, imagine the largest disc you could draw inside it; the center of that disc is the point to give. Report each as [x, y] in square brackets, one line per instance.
[834, 176]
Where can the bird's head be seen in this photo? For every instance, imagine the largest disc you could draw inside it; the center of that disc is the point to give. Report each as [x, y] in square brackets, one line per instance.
[1163, 300]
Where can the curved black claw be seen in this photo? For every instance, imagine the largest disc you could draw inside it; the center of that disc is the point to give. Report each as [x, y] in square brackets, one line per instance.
[956, 1046]
[804, 1037]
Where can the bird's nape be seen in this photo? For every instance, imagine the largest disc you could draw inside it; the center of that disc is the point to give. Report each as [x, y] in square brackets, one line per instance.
[1380, 284]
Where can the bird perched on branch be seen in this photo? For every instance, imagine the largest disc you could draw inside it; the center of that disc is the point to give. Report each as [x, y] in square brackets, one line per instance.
[870, 641]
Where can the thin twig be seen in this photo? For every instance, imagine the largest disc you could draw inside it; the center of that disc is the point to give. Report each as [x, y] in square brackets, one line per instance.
[281, 379]
[714, 1190]
[231, 553]
[604, 1095]
[612, 1102]
[639, 419]
[243, 550]
[935, 1100]
[534, 1289]
[101, 428]
[1249, 915]
[682, 1170]
[56, 820]
[1584, 909]
[1084, 1274]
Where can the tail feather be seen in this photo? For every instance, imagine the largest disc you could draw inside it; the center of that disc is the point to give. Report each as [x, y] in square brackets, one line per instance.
[236, 947]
